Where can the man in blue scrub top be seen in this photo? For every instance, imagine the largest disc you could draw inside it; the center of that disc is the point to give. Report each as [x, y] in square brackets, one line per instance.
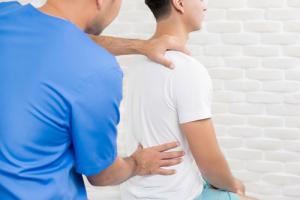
[59, 101]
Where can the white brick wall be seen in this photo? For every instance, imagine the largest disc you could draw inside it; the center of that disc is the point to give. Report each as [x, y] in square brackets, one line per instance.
[252, 51]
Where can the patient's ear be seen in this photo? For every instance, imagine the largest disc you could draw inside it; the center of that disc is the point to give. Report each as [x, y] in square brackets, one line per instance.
[178, 5]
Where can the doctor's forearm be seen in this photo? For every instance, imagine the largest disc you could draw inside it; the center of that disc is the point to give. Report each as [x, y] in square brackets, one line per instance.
[120, 46]
[121, 170]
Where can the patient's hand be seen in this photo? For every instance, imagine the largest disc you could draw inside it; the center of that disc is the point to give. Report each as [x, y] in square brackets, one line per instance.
[247, 198]
[240, 187]
[149, 161]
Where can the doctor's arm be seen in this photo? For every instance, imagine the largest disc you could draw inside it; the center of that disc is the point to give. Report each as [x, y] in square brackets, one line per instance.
[154, 49]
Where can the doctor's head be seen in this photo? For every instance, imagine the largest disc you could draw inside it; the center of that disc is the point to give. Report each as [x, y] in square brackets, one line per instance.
[104, 12]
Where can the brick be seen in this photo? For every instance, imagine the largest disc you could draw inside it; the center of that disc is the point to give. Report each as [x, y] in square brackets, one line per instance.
[263, 190]
[244, 85]
[280, 63]
[220, 130]
[282, 133]
[116, 30]
[279, 39]
[265, 121]
[219, 108]
[245, 14]
[262, 26]
[292, 146]
[231, 143]
[214, 15]
[292, 26]
[226, 4]
[228, 119]
[204, 39]
[261, 51]
[293, 99]
[147, 27]
[293, 3]
[282, 156]
[236, 164]
[243, 108]
[218, 84]
[265, 74]
[281, 179]
[211, 61]
[264, 97]
[283, 14]
[242, 154]
[242, 62]
[283, 110]
[281, 86]
[293, 51]
[132, 17]
[245, 131]
[228, 97]
[240, 38]
[196, 49]
[265, 3]
[292, 122]
[293, 168]
[223, 27]
[265, 166]
[247, 176]
[292, 191]
[264, 144]
[226, 73]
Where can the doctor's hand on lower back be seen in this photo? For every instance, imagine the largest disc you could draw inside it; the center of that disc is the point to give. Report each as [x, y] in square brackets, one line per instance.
[143, 162]
[150, 161]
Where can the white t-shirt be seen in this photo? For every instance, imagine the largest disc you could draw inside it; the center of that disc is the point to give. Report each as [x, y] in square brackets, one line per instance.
[157, 100]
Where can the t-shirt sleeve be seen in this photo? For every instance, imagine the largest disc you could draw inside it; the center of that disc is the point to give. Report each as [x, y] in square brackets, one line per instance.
[94, 119]
[192, 90]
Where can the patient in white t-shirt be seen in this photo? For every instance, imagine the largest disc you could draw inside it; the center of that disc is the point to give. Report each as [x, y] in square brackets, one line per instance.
[163, 105]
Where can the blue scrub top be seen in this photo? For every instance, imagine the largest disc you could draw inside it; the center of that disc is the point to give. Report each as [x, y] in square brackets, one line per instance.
[59, 106]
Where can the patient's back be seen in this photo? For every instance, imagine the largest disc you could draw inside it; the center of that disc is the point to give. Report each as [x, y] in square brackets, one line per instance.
[157, 100]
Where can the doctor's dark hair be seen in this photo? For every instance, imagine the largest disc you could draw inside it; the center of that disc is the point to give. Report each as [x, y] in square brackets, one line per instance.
[159, 8]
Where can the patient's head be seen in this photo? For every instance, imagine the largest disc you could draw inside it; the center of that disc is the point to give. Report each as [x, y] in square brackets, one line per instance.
[189, 12]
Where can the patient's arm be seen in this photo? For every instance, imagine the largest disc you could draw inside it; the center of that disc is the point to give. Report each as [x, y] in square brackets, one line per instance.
[154, 49]
[207, 153]
[143, 162]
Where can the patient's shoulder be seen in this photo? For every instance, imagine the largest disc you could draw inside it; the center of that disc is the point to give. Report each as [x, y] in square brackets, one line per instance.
[186, 65]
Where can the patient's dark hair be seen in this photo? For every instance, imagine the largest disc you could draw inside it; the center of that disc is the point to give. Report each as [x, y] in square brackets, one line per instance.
[160, 8]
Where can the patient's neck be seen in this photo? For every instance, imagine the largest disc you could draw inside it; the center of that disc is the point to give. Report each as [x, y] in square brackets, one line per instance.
[173, 28]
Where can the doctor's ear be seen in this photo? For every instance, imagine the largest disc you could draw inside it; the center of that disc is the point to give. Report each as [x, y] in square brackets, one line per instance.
[99, 4]
[178, 5]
